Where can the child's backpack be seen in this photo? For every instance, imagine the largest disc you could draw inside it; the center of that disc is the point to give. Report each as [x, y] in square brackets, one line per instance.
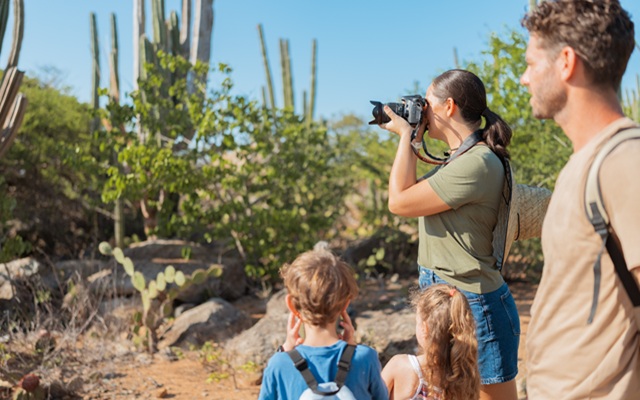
[599, 218]
[327, 390]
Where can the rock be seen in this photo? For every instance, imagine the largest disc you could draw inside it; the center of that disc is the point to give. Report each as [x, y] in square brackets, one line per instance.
[258, 343]
[152, 257]
[16, 270]
[389, 331]
[216, 320]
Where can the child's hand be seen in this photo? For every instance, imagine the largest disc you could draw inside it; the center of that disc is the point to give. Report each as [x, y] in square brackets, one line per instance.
[349, 333]
[293, 333]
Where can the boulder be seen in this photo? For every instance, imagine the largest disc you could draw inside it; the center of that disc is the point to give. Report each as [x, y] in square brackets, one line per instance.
[216, 320]
[16, 270]
[389, 331]
[258, 343]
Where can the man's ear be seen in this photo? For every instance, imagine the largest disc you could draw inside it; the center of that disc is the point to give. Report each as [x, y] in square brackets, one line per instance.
[290, 306]
[568, 61]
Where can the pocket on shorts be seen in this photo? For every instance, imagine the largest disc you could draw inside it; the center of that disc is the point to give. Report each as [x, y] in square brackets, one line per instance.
[512, 311]
[484, 329]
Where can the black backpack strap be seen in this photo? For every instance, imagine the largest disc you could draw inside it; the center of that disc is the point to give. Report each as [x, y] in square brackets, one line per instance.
[626, 277]
[598, 217]
[303, 367]
[344, 365]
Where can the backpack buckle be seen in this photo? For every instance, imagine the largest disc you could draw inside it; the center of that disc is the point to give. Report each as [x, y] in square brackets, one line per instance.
[345, 365]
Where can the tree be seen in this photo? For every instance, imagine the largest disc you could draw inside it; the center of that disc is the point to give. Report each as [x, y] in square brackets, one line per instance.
[53, 172]
[272, 191]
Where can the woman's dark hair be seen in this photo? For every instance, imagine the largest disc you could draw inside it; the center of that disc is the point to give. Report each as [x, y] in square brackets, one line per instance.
[469, 94]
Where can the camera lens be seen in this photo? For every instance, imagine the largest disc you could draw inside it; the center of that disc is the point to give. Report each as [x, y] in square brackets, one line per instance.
[380, 117]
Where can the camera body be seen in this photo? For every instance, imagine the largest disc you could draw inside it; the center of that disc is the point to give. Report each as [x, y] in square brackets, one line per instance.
[410, 109]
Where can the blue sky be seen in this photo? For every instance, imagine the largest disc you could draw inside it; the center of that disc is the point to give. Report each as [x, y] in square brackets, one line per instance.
[367, 49]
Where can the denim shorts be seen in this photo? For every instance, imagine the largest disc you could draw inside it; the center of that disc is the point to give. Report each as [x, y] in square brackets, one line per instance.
[497, 328]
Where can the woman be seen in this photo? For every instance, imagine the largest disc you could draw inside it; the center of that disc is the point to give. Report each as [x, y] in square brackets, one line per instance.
[458, 203]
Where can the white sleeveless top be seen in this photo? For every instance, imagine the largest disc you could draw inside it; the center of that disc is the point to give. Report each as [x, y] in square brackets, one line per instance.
[424, 391]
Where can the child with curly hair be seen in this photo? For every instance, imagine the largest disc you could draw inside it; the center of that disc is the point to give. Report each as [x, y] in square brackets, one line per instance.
[448, 366]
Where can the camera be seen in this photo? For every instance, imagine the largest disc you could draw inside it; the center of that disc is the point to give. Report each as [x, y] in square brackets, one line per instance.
[410, 109]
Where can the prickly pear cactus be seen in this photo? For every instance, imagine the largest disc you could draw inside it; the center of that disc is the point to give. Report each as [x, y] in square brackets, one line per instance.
[158, 294]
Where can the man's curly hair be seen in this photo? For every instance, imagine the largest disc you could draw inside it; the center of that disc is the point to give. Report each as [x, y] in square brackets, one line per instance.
[600, 31]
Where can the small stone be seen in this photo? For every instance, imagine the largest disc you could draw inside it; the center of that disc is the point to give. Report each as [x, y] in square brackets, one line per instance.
[162, 393]
[29, 382]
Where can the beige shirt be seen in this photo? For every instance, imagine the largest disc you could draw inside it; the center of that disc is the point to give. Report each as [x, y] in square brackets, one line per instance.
[568, 358]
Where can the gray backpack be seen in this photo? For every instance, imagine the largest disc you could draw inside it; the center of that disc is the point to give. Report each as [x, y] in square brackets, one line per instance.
[599, 218]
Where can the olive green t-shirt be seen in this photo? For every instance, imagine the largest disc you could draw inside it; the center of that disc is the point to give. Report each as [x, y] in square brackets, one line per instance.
[456, 244]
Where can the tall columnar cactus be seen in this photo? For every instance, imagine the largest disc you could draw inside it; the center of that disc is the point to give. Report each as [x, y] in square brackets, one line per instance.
[159, 27]
[114, 94]
[185, 29]
[95, 76]
[12, 104]
[308, 106]
[158, 294]
[287, 78]
[4, 17]
[267, 69]
[18, 32]
[312, 95]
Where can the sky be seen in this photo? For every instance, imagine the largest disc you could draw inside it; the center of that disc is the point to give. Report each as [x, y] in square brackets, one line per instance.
[367, 49]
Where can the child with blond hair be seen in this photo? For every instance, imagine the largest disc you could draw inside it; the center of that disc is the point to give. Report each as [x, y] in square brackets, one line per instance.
[324, 363]
[447, 369]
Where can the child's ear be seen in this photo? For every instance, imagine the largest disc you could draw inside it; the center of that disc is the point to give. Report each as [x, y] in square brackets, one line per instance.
[290, 306]
[346, 306]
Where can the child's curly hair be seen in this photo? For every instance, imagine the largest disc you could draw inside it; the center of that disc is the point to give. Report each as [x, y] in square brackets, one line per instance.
[320, 286]
[451, 346]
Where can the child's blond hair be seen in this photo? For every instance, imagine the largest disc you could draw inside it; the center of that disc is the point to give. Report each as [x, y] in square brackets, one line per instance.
[320, 286]
[451, 346]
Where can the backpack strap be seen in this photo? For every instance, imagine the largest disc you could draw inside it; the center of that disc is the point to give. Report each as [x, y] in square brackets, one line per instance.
[344, 364]
[599, 218]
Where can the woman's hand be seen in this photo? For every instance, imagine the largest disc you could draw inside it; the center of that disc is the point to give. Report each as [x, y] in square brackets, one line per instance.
[349, 333]
[293, 333]
[397, 125]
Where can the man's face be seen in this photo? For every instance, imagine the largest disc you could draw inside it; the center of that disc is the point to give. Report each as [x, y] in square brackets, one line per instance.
[542, 78]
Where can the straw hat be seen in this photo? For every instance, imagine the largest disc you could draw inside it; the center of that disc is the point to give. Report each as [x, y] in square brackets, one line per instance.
[520, 215]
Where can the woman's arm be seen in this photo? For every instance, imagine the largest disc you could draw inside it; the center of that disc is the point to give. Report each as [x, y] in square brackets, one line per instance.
[407, 197]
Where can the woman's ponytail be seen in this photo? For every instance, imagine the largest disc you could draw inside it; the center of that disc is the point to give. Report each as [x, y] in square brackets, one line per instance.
[497, 134]
[469, 94]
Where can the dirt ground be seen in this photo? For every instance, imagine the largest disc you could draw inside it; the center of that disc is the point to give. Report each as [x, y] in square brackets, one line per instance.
[142, 377]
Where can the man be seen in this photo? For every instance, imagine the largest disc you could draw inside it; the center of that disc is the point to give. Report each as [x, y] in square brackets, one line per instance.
[576, 56]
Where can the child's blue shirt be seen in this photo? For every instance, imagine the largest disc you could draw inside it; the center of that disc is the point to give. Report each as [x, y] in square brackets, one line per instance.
[281, 379]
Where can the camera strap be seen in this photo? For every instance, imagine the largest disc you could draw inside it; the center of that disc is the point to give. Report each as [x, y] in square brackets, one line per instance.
[468, 143]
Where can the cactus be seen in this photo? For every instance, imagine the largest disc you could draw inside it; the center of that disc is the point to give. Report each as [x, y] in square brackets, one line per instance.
[18, 32]
[95, 77]
[312, 92]
[287, 78]
[114, 94]
[185, 29]
[4, 17]
[156, 295]
[308, 107]
[267, 69]
[159, 27]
